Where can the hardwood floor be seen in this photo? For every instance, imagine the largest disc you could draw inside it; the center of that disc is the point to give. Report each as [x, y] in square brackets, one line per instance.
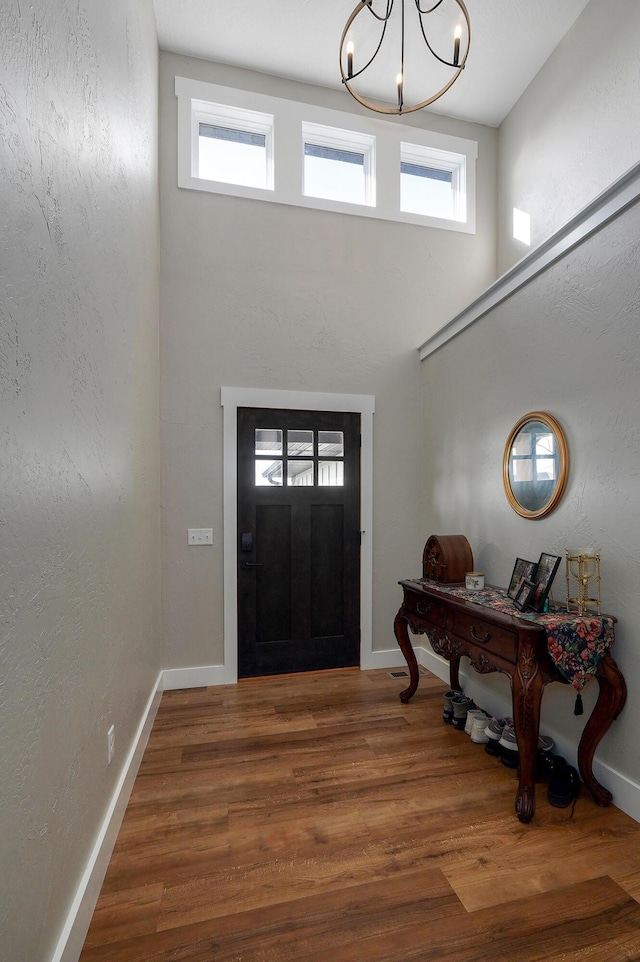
[315, 818]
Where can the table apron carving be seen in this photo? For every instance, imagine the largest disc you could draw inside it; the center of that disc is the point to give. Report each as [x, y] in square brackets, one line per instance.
[495, 641]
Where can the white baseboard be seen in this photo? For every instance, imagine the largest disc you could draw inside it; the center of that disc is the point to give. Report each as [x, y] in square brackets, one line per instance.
[626, 793]
[389, 658]
[200, 676]
[205, 676]
[78, 919]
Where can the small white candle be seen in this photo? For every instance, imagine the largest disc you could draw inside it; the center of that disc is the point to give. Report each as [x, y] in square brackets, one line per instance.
[457, 33]
[350, 49]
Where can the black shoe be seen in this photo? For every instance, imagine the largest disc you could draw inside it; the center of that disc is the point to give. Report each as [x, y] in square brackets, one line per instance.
[564, 783]
[545, 761]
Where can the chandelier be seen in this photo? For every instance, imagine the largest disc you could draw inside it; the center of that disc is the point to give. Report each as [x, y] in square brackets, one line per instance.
[378, 46]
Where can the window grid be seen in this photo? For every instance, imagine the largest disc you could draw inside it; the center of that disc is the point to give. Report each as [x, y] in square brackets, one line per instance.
[305, 458]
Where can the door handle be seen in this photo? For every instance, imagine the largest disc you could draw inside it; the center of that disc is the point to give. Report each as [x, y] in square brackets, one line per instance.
[251, 564]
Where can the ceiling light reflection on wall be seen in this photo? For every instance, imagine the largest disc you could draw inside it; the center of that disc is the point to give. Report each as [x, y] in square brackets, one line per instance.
[403, 51]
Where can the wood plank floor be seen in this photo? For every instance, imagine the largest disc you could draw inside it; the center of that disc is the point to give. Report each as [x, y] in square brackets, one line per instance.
[314, 818]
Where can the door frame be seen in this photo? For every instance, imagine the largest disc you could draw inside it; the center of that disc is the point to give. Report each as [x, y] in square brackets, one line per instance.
[232, 398]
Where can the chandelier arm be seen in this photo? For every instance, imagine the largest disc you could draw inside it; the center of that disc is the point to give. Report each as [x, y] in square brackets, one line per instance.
[385, 17]
[447, 63]
[431, 9]
[368, 64]
[355, 13]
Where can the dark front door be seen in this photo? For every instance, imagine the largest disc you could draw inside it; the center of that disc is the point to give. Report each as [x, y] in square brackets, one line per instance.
[298, 541]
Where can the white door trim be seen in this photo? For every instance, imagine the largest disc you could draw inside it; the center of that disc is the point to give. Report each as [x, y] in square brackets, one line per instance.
[231, 399]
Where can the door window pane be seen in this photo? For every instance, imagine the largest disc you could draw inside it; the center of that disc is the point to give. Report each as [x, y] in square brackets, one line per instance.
[300, 473]
[331, 473]
[268, 441]
[331, 442]
[299, 444]
[268, 473]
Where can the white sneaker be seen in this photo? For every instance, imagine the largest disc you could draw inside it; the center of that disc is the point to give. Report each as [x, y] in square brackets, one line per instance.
[471, 714]
[479, 730]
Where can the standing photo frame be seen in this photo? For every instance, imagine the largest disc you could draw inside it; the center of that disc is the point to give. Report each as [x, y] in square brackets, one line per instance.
[545, 573]
[524, 595]
[521, 570]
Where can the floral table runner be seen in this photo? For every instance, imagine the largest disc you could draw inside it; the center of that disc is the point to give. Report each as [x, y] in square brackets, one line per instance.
[576, 643]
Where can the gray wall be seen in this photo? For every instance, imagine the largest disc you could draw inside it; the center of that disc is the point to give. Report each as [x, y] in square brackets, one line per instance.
[79, 519]
[263, 295]
[567, 343]
[575, 129]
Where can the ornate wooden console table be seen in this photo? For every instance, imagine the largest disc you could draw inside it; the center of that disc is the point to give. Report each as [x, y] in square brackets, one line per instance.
[505, 640]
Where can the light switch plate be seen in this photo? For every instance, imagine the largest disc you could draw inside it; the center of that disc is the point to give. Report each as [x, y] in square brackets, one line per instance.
[200, 536]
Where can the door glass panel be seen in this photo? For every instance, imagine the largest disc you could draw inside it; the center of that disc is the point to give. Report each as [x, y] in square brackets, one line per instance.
[300, 444]
[331, 442]
[268, 441]
[300, 473]
[268, 473]
[331, 473]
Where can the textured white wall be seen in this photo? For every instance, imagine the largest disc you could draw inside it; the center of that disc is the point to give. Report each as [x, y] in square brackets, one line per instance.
[567, 343]
[575, 129]
[262, 295]
[79, 519]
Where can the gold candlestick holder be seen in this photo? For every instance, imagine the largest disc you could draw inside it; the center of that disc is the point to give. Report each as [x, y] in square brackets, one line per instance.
[583, 582]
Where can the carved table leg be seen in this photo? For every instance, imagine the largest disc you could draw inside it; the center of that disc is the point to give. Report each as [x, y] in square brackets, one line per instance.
[402, 637]
[527, 687]
[611, 699]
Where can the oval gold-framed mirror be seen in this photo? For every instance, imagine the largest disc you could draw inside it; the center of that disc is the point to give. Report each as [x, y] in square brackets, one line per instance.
[535, 466]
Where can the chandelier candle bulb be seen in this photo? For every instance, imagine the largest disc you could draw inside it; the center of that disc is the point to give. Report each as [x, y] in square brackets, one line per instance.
[350, 49]
[399, 83]
[456, 45]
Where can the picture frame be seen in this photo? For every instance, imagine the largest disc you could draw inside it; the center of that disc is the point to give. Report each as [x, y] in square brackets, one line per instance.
[521, 569]
[525, 594]
[545, 573]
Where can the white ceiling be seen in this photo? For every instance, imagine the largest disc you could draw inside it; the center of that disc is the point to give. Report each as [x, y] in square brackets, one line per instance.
[299, 40]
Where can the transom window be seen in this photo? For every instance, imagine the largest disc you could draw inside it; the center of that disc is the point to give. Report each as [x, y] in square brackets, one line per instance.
[233, 146]
[430, 182]
[248, 144]
[338, 164]
[303, 458]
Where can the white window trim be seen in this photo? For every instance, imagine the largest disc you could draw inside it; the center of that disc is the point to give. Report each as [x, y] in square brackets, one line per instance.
[455, 163]
[323, 136]
[288, 170]
[221, 115]
[231, 399]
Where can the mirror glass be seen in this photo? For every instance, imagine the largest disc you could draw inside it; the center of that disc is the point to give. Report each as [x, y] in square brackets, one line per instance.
[535, 465]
